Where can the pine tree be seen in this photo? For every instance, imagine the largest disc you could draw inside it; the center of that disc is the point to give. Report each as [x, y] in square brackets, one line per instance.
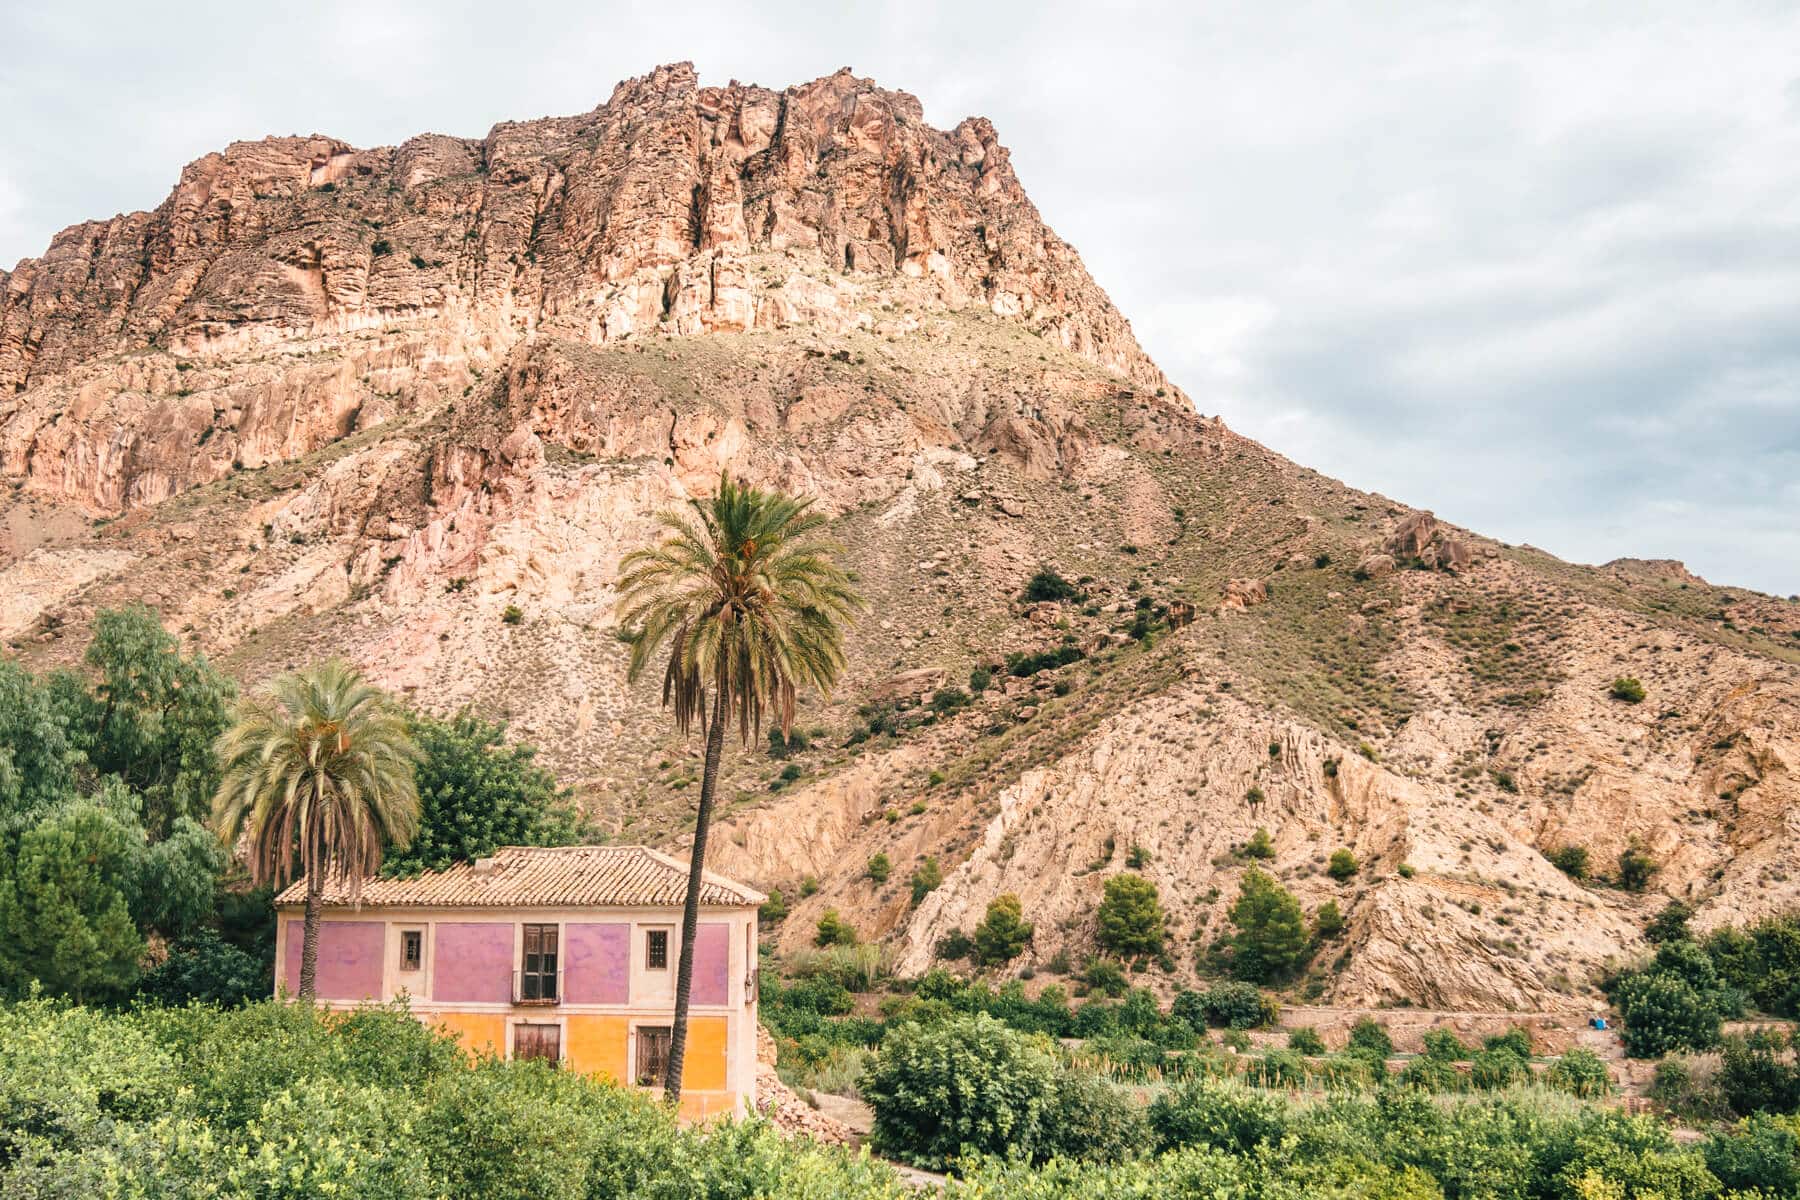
[1131, 916]
[1271, 941]
[1003, 932]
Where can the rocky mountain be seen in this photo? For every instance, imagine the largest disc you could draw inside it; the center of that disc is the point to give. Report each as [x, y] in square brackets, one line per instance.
[411, 404]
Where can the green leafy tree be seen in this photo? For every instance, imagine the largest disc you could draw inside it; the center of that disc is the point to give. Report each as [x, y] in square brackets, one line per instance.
[477, 793]
[964, 1084]
[181, 879]
[36, 758]
[152, 716]
[750, 607]
[1269, 941]
[1370, 1037]
[207, 969]
[1663, 1012]
[318, 778]
[65, 904]
[1003, 933]
[1131, 918]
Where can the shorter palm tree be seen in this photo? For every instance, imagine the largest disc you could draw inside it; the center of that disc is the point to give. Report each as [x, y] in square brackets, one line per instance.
[318, 774]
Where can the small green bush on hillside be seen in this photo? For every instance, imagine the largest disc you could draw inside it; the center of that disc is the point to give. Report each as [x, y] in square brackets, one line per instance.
[1342, 865]
[1630, 690]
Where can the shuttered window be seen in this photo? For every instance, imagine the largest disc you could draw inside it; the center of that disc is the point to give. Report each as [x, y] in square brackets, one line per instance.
[537, 1041]
[537, 981]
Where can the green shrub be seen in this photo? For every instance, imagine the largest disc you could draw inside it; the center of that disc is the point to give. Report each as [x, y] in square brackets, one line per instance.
[1498, 1066]
[1757, 1074]
[1306, 1040]
[1371, 1037]
[1444, 1046]
[979, 680]
[1238, 1005]
[1570, 860]
[1328, 922]
[948, 700]
[1088, 1118]
[925, 879]
[1105, 976]
[1630, 690]
[833, 930]
[1579, 1072]
[954, 946]
[1048, 585]
[1761, 1153]
[1670, 924]
[1635, 868]
[1342, 866]
[878, 868]
[512, 614]
[1216, 1114]
[1131, 917]
[774, 908]
[208, 969]
[966, 1084]
[1003, 933]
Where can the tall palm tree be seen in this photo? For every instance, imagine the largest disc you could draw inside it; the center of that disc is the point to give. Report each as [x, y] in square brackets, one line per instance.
[318, 773]
[751, 607]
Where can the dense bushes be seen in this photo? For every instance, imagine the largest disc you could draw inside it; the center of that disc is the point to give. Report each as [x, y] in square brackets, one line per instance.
[282, 1101]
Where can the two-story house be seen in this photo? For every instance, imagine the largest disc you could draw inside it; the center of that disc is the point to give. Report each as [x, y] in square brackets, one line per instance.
[566, 953]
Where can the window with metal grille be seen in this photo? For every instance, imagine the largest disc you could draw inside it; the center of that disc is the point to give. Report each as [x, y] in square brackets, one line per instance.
[653, 1043]
[656, 949]
[412, 949]
[537, 980]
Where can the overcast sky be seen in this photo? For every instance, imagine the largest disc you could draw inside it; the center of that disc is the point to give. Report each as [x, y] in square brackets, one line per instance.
[1535, 270]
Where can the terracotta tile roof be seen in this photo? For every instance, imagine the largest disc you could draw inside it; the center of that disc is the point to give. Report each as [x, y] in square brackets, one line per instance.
[545, 877]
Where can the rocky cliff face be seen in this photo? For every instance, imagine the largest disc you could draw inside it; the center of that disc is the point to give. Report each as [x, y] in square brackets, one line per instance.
[293, 290]
[411, 405]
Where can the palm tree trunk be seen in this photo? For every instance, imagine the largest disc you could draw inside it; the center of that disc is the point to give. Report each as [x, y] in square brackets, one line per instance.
[690, 912]
[309, 938]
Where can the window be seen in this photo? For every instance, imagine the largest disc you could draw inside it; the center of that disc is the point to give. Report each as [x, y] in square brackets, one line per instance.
[537, 1041]
[537, 981]
[656, 949]
[412, 949]
[653, 1053]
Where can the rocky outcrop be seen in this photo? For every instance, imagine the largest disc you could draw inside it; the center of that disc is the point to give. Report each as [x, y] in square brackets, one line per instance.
[1420, 538]
[294, 290]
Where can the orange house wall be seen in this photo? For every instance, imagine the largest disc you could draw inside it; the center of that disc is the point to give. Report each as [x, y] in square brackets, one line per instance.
[599, 1045]
[482, 1033]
